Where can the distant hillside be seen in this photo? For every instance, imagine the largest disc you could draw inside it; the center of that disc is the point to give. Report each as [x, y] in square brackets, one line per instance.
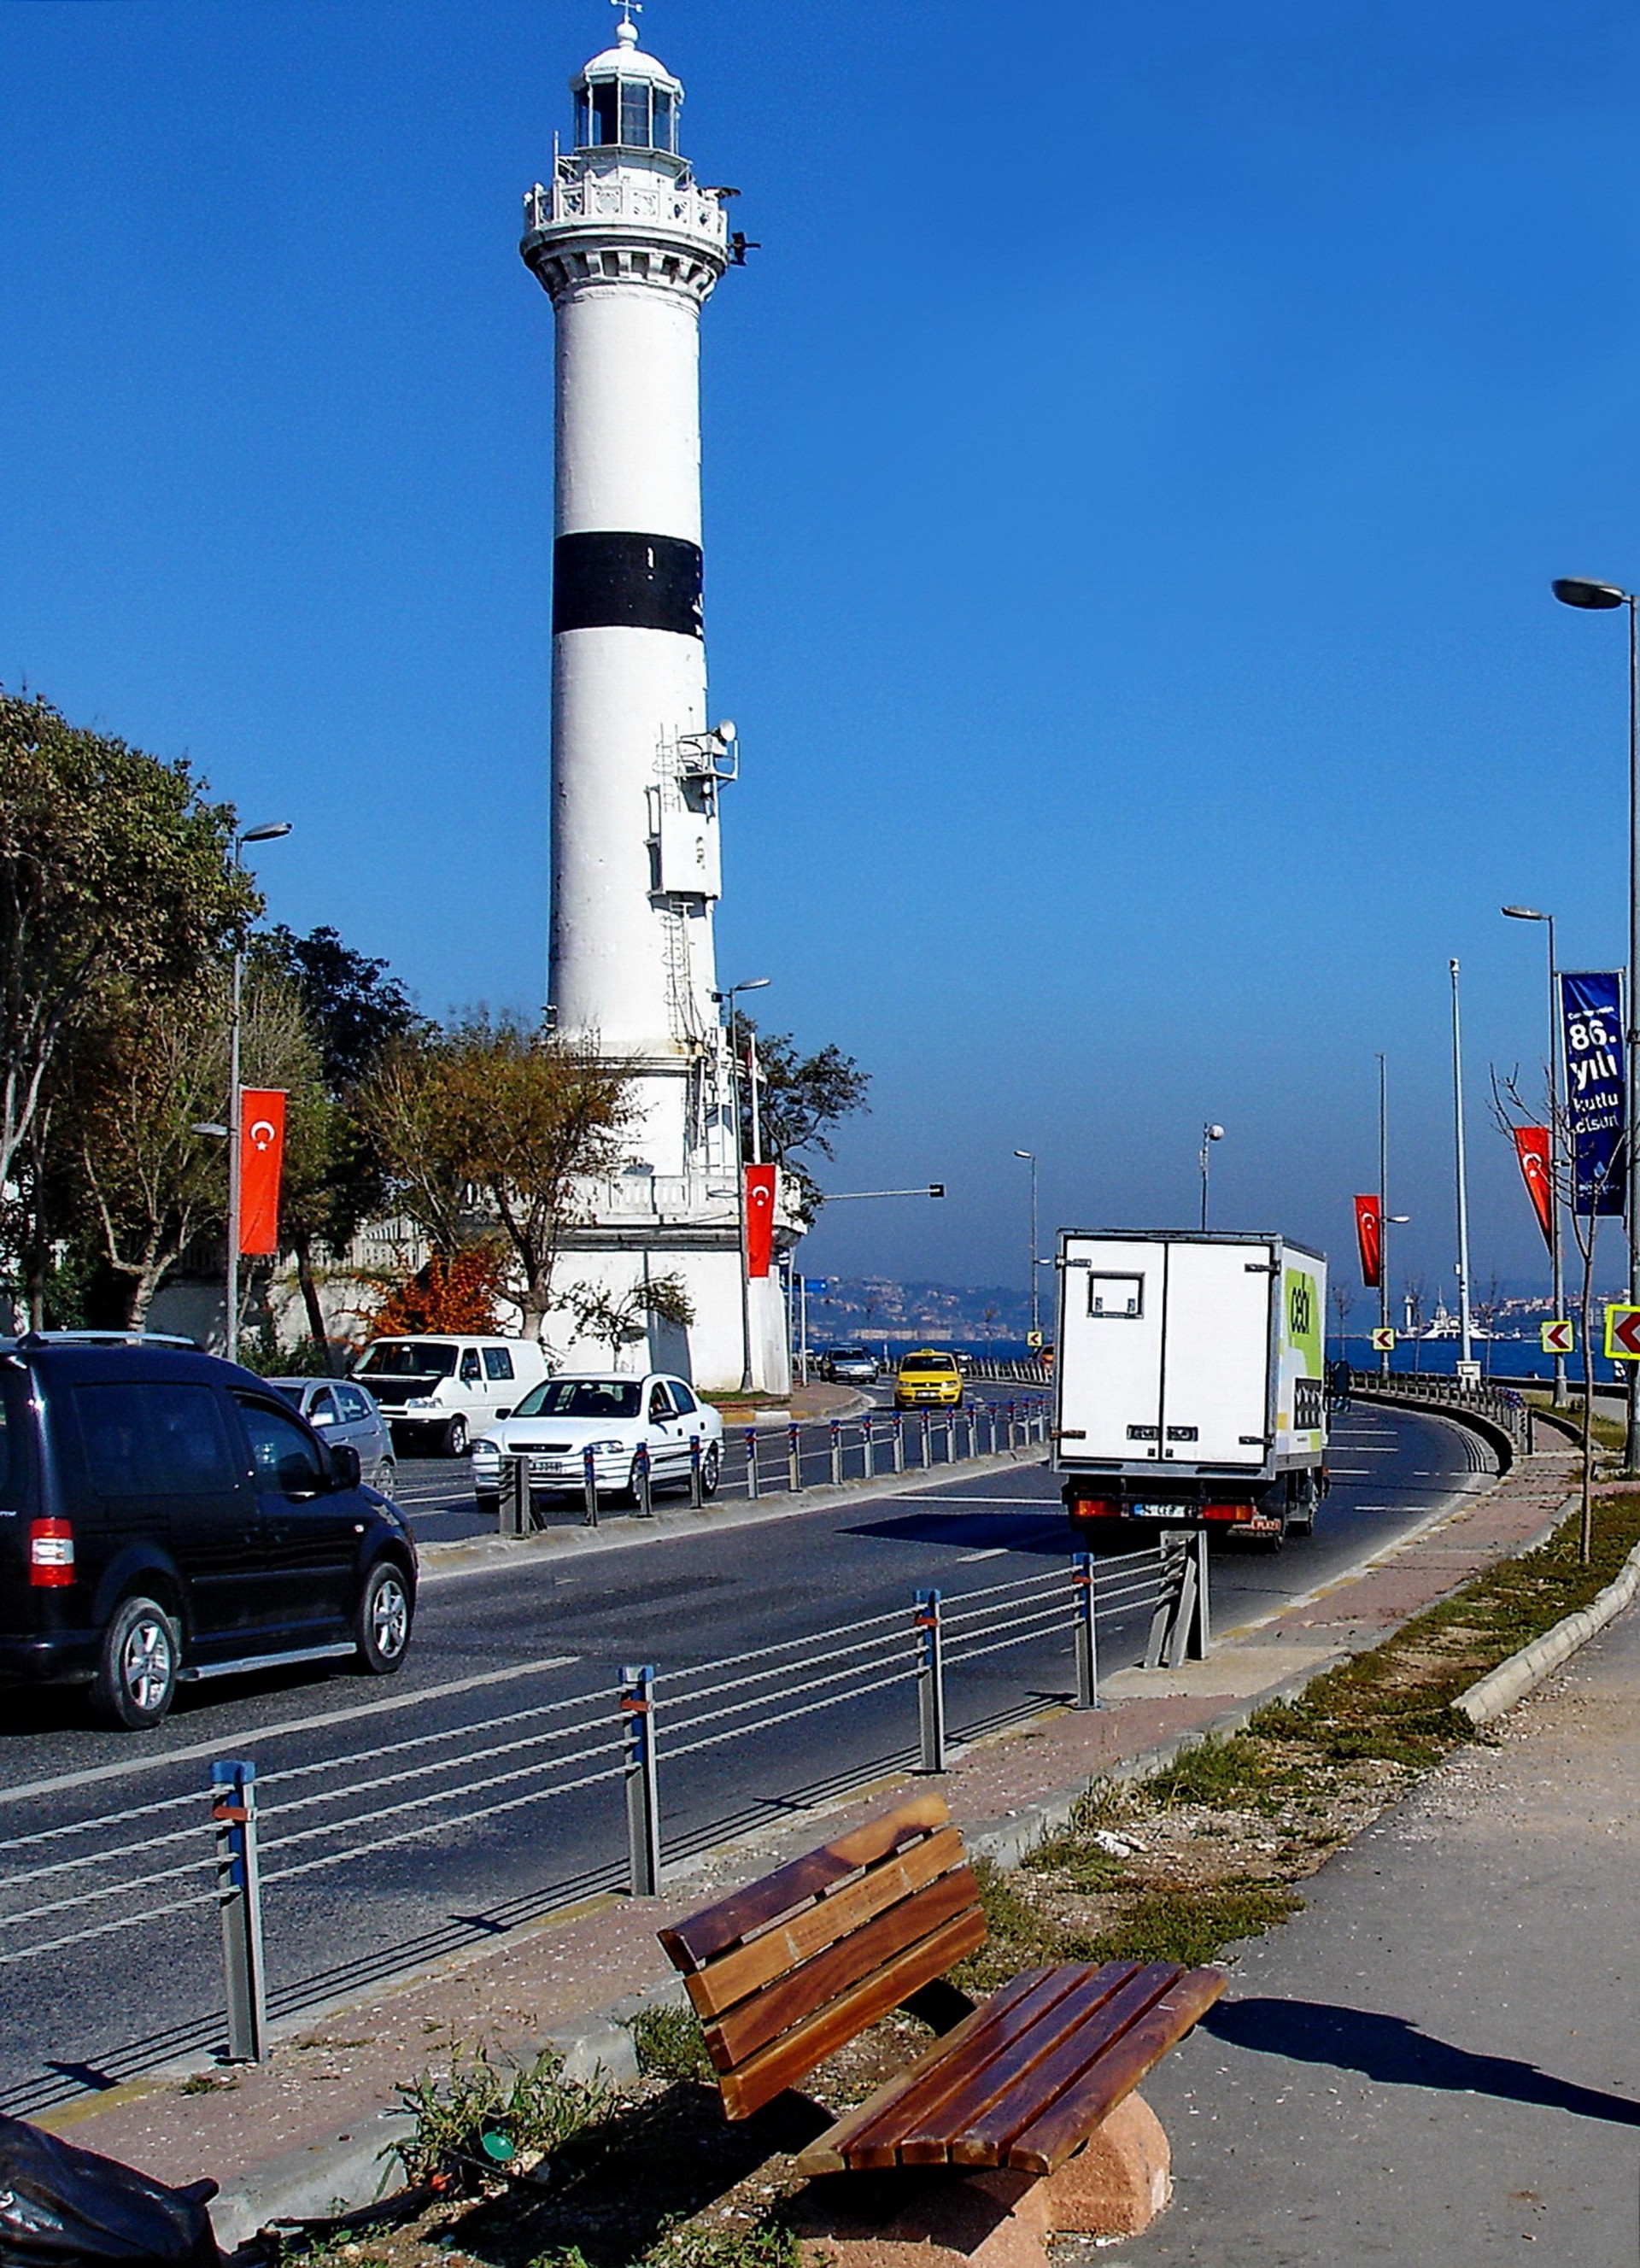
[874, 1307]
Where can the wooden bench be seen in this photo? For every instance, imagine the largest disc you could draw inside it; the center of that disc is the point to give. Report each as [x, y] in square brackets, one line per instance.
[785, 1972]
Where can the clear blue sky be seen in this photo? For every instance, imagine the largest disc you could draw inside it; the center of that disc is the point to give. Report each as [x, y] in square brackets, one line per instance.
[1136, 462]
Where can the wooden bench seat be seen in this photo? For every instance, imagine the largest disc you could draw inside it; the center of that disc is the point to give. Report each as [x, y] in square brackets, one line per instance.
[783, 1973]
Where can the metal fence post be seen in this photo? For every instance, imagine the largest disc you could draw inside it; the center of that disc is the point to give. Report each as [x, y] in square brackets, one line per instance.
[240, 1895]
[751, 1461]
[900, 1443]
[589, 1484]
[1201, 1633]
[513, 1505]
[643, 1486]
[637, 1710]
[868, 1446]
[927, 1428]
[1084, 1604]
[930, 1684]
[794, 1457]
[836, 1450]
[696, 1495]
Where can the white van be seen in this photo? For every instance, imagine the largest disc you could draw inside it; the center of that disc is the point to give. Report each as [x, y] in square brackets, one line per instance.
[437, 1391]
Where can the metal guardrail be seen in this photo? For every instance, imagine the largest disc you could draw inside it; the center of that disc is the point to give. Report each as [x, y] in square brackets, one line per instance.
[184, 1858]
[861, 1448]
[1502, 1405]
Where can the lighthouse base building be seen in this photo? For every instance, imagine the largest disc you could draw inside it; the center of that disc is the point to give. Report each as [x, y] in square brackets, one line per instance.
[628, 248]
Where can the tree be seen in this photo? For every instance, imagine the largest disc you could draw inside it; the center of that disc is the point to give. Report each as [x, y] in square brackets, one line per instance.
[800, 1099]
[115, 873]
[355, 1011]
[151, 1184]
[492, 1122]
[460, 1294]
[620, 1319]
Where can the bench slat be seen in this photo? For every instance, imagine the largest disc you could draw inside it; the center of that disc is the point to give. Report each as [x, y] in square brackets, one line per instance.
[733, 1976]
[714, 1928]
[925, 2102]
[984, 2105]
[980, 2132]
[828, 2153]
[792, 2057]
[828, 1979]
[1052, 2137]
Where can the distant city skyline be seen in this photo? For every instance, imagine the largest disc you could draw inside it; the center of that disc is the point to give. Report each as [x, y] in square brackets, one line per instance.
[1129, 542]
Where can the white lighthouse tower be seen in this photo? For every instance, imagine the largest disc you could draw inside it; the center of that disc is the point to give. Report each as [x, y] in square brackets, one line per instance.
[628, 248]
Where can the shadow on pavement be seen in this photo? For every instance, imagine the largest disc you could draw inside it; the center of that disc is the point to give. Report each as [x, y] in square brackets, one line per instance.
[1393, 2051]
[1049, 1536]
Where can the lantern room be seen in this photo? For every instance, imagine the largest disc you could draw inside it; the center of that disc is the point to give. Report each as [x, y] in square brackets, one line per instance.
[625, 101]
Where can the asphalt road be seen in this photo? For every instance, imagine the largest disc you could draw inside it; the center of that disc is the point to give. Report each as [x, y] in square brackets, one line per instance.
[421, 1811]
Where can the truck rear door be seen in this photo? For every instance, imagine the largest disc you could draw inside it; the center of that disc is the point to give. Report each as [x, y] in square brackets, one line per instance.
[1108, 1361]
[1217, 1356]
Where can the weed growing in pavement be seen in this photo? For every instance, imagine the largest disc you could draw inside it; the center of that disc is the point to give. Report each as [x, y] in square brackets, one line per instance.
[1086, 1865]
[669, 2044]
[1192, 1923]
[485, 2111]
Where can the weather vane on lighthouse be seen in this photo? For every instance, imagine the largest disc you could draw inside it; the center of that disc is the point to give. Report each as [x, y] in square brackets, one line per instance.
[628, 9]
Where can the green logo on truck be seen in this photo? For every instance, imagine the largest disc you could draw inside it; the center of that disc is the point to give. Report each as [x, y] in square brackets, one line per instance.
[1303, 1320]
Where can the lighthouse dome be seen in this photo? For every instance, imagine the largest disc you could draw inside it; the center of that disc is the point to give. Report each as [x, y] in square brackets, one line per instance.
[626, 99]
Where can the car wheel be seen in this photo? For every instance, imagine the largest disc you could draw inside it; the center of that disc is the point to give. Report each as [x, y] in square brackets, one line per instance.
[456, 1438]
[709, 1468]
[381, 1629]
[137, 1670]
[386, 1476]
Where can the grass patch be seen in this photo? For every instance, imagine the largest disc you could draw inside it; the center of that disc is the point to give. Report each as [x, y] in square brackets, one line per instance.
[485, 2112]
[669, 2044]
[1192, 1924]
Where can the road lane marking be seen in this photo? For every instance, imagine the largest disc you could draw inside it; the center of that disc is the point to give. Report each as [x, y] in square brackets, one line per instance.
[967, 1558]
[95, 1773]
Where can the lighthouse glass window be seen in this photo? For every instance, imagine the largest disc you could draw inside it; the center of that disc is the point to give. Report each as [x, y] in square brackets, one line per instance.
[627, 113]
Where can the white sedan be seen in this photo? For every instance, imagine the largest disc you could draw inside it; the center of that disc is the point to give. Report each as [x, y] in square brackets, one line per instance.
[559, 1420]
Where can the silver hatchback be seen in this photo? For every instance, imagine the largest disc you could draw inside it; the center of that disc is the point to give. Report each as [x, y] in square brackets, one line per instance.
[343, 1411]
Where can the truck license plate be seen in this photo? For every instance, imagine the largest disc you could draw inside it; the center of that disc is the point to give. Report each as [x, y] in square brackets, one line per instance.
[1157, 1511]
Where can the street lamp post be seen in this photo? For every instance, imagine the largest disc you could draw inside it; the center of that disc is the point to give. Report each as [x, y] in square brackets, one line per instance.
[1604, 598]
[1383, 1214]
[726, 1000]
[1210, 1133]
[1556, 1266]
[1465, 1332]
[231, 1334]
[1036, 1319]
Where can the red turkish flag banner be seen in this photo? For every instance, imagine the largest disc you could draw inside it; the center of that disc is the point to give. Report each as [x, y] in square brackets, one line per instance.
[1532, 1148]
[760, 1217]
[261, 1159]
[1370, 1236]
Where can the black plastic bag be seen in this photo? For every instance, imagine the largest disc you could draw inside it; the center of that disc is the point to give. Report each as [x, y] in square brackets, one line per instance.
[61, 2207]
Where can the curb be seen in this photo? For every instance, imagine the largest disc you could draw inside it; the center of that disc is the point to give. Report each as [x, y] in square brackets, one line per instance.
[1501, 1687]
[476, 1554]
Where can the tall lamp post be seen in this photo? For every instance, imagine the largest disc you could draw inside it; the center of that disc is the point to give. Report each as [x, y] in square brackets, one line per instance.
[231, 1336]
[1210, 1133]
[1386, 1218]
[1036, 1318]
[1531, 914]
[1466, 1329]
[726, 1001]
[1604, 598]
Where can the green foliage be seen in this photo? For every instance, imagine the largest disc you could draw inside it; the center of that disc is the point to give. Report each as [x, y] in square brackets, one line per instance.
[755, 2244]
[1080, 1863]
[620, 1319]
[535, 2109]
[669, 2044]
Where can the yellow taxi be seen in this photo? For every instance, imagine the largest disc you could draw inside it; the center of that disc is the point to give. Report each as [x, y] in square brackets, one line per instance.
[928, 1379]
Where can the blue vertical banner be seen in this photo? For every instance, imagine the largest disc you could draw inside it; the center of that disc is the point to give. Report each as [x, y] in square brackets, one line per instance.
[1591, 1018]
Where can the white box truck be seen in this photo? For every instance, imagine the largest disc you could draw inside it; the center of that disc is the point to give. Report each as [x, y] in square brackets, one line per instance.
[1190, 1382]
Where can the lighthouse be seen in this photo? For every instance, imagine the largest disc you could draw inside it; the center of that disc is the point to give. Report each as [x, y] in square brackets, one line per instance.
[628, 248]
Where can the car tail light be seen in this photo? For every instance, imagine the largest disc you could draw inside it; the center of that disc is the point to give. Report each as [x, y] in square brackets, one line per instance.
[1226, 1511]
[1097, 1507]
[50, 1554]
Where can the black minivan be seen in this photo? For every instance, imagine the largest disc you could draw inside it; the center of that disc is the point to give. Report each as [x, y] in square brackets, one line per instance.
[166, 1517]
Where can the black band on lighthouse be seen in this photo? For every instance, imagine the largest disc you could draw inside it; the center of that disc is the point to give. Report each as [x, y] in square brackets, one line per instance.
[603, 580]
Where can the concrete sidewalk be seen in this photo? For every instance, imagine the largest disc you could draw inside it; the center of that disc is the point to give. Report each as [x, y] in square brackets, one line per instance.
[301, 2129]
[1436, 2061]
